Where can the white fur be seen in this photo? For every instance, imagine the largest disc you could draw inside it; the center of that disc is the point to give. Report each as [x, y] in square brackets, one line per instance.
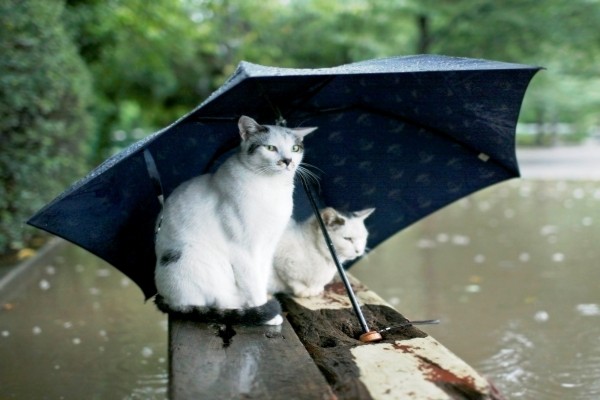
[227, 224]
[303, 264]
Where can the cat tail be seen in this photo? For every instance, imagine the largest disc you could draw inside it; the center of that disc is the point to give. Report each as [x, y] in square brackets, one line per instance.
[243, 316]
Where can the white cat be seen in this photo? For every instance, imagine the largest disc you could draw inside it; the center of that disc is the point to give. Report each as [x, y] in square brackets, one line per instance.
[219, 231]
[303, 264]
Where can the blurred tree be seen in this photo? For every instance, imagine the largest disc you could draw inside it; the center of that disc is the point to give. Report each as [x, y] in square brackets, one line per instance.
[43, 117]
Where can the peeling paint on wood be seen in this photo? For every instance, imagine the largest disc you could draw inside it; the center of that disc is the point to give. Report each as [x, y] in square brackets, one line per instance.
[407, 364]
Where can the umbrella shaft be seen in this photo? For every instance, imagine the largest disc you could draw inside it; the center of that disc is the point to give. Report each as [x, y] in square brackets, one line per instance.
[342, 273]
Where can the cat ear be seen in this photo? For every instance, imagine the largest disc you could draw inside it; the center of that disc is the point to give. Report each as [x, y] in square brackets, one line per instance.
[301, 132]
[332, 218]
[249, 127]
[363, 213]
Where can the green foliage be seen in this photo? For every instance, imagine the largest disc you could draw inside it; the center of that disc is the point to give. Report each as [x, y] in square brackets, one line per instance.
[44, 124]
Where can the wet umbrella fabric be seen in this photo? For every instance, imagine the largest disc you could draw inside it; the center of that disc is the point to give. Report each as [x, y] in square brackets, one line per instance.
[407, 135]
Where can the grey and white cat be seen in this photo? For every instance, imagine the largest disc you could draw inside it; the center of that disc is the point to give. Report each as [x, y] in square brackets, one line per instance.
[219, 231]
[303, 264]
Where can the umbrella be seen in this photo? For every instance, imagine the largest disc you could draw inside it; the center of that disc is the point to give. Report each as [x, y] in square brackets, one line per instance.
[407, 135]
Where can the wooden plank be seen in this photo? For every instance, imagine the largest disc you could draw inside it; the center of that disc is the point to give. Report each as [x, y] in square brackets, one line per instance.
[217, 362]
[407, 364]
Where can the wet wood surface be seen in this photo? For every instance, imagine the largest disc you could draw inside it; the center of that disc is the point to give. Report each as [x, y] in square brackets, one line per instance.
[209, 361]
[406, 364]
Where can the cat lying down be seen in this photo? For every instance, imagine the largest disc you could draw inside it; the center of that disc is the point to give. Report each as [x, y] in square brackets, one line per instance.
[303, 265]
[219, 231]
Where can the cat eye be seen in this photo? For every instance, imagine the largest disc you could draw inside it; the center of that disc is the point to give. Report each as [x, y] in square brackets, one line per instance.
[295, 148]
[349, 239]
[270, 147]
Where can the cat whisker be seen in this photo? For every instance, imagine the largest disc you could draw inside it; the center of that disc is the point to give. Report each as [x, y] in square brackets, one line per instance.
[307, 165]
[308, 176]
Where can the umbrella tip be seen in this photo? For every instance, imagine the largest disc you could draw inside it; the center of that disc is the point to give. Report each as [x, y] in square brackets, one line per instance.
[371, 336]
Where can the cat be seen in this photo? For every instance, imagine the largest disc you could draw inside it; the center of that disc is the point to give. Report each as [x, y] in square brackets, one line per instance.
[219, 231]
[303, 264]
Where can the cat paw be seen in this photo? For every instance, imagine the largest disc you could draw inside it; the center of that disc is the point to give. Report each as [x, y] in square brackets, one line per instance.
[276, 320]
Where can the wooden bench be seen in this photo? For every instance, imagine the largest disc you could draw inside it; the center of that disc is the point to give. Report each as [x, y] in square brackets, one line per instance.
[315, 354]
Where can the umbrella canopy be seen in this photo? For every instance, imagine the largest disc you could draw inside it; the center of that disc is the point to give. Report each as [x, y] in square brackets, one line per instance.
[407, 135]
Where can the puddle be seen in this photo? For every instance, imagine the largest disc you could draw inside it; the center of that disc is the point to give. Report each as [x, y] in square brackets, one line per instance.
[512, 272]
[77, 328]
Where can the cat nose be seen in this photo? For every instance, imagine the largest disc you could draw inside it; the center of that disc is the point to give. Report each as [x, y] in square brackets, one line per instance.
[286, 161]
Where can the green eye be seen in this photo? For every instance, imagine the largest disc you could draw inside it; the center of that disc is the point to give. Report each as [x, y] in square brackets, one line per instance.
[270, 147]
[295, 148]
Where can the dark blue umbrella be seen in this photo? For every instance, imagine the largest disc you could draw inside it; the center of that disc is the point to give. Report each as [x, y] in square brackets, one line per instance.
[407, 135]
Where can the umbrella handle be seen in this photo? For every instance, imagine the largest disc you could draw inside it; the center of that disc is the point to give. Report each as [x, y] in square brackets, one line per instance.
[368, 335]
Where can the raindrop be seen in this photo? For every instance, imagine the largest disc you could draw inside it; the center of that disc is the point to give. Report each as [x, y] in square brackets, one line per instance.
[588, 310]
[79, 268]
[524, 257]
[56, 367]
[76, 341]
[473, 288]
[94, 291]
[36, 330]
[102, 333]
[125, 282]
[479, 258]
[147, 352]
[442, 237]
[579, 193]
[426, 244]
[68, 325]
[484, 206]
[548, 230]
[50, 270]
[103, 272]
[460, 240]
[44, 284]
[541, 316]
[5, 333]
[587, 221]
[394, 301]
[558, 257]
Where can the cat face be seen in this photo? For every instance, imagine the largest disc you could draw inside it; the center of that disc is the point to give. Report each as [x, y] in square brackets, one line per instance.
[348, 232]
[268, 149]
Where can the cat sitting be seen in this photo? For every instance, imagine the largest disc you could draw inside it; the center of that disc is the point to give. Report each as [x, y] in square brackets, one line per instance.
[303, 264]
[219, 231]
